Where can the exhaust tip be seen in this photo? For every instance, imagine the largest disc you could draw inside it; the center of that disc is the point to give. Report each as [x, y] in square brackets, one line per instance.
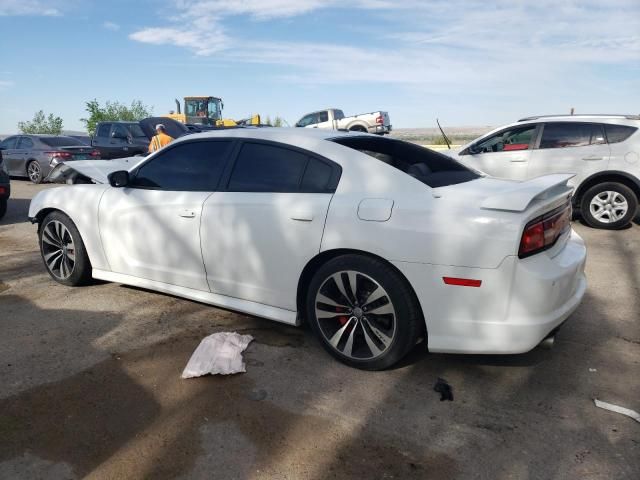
[548, 342]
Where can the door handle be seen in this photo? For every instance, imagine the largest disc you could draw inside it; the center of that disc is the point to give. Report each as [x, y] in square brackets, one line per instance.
[516, 160]
[302, 216]
[592, 158]
[187, 214]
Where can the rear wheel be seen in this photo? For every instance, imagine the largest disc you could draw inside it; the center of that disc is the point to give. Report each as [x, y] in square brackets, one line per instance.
[608, 205]
[358, 128]
[364, 312]
[34, 171]
[63, 251]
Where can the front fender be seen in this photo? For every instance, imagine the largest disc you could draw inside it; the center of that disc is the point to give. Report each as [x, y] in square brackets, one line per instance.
[80, 203]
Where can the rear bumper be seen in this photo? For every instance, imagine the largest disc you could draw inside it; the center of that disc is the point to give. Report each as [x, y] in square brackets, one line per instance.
[380, 129]
[517, 305]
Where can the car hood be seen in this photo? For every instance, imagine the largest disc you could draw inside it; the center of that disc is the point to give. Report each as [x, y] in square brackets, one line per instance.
[95, 170]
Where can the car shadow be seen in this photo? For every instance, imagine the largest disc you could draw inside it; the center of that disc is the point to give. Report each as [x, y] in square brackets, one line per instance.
[17, 211]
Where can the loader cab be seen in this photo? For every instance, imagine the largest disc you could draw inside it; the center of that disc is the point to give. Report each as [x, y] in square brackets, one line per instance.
[203, 110]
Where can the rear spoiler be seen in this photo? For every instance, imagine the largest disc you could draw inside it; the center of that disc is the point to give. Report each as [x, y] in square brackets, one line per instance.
[518, 198]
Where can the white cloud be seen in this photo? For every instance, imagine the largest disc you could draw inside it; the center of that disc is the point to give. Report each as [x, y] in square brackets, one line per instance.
[440, 44]
[111, 26]
[27, 7]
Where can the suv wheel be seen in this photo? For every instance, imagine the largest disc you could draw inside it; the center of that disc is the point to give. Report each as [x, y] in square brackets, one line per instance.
[364, 312]
[608, 205]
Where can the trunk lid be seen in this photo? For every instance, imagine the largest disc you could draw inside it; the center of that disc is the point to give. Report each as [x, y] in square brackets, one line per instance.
[79, 152]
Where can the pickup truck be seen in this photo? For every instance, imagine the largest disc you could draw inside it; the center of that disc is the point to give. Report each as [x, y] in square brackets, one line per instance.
[334, 119]
[119, 139]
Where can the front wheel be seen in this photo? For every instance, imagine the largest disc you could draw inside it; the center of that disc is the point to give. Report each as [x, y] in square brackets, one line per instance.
[63, 251]
[363, 311]
[608, 205]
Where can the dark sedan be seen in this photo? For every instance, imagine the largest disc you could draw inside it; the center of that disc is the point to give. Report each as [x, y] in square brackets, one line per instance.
[34, 156]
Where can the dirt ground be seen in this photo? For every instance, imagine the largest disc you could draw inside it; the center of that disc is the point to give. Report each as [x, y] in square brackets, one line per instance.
[90, 387]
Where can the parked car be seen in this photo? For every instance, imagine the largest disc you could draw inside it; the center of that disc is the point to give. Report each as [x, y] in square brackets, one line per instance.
[5, 187]
[334, 119]
[120, 139]
[33, 156]
[602, 150]
[376, 242]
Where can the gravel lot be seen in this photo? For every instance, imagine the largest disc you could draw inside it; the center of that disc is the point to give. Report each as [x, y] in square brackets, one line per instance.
[90, 387]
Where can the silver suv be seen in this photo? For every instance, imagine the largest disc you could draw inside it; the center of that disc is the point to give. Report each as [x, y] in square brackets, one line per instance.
[602, 150]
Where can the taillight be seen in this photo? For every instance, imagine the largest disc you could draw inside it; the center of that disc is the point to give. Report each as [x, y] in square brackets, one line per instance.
[2, 190]
[379, 120]
[543, 232]
[95, 154]
[59, 155]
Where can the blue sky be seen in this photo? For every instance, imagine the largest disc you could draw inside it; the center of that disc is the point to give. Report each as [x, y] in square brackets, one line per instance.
[466, 62]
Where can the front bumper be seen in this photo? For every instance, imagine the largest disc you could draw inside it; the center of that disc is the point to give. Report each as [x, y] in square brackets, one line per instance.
[517, 306]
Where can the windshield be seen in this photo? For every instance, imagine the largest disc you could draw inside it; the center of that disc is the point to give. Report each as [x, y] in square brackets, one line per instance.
[136, 131]
[215, 109]
[431, 168]
[61, 141]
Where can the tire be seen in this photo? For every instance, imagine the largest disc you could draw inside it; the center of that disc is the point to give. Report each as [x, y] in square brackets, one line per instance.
[62, 250]
[356, 337]
[3, 207]
[358, 128]
[34, 172]
[609, 206]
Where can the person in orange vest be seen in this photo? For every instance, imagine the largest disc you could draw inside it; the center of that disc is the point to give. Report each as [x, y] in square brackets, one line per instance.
[160, 140]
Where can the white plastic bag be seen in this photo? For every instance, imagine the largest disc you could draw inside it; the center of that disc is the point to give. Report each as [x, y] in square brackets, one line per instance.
[218, 353]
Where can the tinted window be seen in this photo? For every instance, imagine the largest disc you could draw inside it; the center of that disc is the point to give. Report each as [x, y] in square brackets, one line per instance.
[136, 131]
[429, 167]
[103, 130]
[266, 168]
[561, 135]
[119, 131]
[25, 142]
[192, 166]
[338, 114]
[518, 138]
[618, 133]
[9, 143]
[323, 116]
[317, 177]
[61, 141]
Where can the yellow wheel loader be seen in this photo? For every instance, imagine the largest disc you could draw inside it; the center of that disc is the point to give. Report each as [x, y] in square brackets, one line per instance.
[207, 111]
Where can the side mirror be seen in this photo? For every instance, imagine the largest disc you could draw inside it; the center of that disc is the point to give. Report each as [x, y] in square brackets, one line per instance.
[119, 178]
[471, 150]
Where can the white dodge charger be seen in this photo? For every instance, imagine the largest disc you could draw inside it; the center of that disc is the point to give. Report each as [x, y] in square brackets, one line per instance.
[376, 243]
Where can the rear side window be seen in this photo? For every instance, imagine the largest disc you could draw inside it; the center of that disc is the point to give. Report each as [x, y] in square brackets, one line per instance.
[189, 166]
[317, 177]
[618, 133]
[323, 116]
[565, 134]
[431, 168]
[103, 130]
[61, 141]
[267, 168]
[25, 142]
[338, 114]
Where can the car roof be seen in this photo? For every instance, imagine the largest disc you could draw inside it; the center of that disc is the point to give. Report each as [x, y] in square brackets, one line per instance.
[276, 134]
[582, 117]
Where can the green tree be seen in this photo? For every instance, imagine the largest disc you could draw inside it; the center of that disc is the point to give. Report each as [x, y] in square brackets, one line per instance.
[113, 111]
[42, 124]
[276, 122]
